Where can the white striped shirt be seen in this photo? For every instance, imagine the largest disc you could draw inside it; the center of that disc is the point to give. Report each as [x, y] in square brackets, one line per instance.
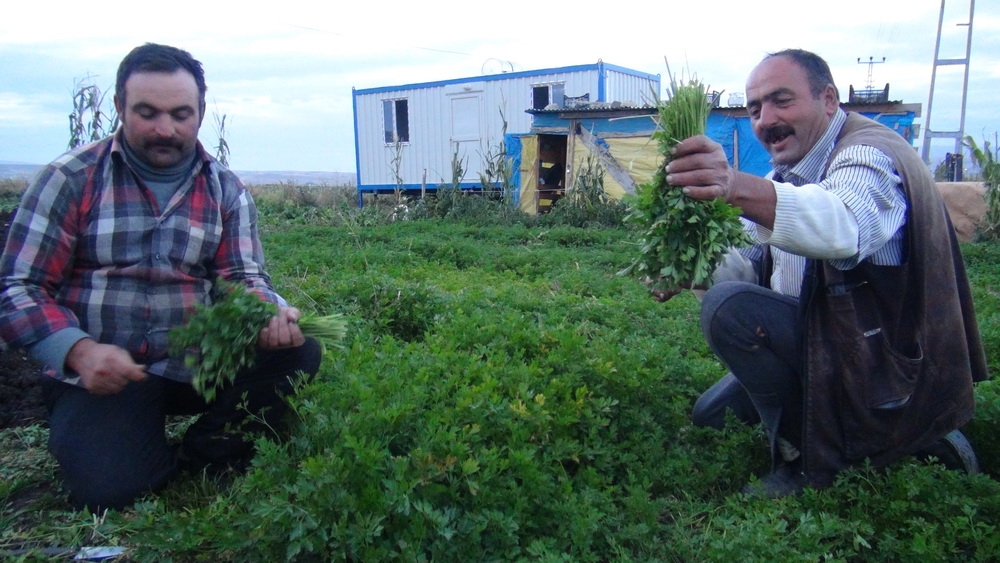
[855, 212]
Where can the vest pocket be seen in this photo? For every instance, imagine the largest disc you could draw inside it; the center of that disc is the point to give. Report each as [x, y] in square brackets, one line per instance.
[874, 372]
[877, 382]
[894, 375]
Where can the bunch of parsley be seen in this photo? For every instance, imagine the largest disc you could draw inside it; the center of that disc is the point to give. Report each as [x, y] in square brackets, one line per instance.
[220, 340]
[681, 239]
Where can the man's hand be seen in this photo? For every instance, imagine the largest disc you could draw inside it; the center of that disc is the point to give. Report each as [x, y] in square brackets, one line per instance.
[700, 166]
[103, 369]
[283, 331]
[662, 295]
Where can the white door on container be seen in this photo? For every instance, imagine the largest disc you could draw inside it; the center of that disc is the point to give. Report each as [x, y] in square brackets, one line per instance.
[466, 133]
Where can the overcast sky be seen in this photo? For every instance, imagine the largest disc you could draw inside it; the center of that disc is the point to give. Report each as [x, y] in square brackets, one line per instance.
[282, 73]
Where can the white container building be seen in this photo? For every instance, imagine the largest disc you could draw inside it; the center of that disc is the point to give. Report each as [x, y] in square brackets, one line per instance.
[408, 137]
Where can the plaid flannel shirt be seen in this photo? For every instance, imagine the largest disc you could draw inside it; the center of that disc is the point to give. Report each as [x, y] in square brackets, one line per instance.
[89, 249]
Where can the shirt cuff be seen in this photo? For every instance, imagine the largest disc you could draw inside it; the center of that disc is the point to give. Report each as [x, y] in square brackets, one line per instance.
[52, 350]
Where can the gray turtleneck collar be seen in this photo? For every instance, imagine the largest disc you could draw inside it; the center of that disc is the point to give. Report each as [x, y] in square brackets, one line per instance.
[163, 182]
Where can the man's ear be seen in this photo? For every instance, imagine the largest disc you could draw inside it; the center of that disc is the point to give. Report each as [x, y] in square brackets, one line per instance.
[120, 108]
[831, 100]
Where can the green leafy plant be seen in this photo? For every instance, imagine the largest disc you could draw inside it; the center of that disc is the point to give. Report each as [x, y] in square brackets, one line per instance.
[11, 190]
[219, 341]
[505, 399]
[681, 238]
[587, 204]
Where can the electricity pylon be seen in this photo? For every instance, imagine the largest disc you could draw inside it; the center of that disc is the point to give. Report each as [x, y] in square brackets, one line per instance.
[929, 131]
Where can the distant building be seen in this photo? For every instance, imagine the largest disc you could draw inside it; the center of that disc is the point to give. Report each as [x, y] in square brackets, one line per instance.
[407, 137]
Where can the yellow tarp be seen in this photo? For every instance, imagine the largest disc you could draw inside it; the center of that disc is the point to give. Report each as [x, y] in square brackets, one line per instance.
[529, 176]
[637, 155]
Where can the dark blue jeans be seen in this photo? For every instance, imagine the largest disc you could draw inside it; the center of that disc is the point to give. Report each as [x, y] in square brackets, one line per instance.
[756, 333]
[113, 449]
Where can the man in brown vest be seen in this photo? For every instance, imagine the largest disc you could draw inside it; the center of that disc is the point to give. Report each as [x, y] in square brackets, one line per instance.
[857, 338]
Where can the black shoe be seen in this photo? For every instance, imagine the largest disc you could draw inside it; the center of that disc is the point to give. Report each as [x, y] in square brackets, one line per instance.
[210, 468]
[954, 451]
[784, 481]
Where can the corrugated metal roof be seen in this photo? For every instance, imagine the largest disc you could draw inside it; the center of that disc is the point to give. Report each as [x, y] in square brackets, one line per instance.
[597, 108]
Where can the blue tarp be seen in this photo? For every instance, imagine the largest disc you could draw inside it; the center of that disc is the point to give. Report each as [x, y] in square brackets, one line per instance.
[513, 143]
[753, 159]
[727, 130]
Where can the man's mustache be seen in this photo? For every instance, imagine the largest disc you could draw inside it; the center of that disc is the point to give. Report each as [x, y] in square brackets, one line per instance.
[777, 132]
[165, 144]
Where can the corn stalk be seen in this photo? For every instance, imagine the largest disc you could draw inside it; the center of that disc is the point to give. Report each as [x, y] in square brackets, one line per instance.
[88, 122]
[457, 169]
[989, 164]
[498, 168]
[588, 185]
[396, 168]
[221, 149]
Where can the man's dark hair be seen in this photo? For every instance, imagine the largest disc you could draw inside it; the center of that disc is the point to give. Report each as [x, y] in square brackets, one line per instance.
[817, 71]
[160, 58]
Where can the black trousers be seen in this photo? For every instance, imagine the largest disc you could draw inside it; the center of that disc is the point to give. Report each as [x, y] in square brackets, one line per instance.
[113, 449]
[756, 333]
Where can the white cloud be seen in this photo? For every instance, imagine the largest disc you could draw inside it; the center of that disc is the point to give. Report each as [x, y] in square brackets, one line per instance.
[283, 75]
[18, 110]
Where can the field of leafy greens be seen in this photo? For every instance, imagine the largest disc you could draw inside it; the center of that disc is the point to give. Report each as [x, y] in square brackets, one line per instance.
[503, 395]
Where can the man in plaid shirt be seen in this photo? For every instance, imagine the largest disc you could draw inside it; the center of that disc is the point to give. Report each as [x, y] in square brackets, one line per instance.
[114, 244]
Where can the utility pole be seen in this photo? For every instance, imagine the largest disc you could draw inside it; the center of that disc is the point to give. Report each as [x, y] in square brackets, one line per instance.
[929, 131]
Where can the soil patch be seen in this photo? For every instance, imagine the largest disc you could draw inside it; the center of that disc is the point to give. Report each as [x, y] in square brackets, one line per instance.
[20, 376]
